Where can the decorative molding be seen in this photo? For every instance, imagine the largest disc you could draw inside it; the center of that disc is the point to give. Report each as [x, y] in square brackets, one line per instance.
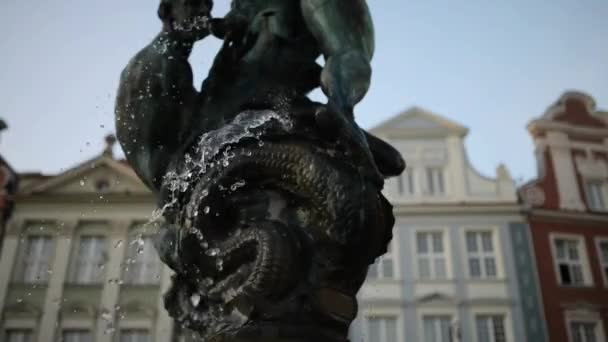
[533, 196]
[437, 126]
[78, 309]
[22, 309]
[560, 105]
[591, 167]
[578, 217]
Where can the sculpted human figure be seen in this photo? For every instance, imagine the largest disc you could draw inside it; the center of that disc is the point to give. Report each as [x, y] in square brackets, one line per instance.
[156, 100]
[272, 203]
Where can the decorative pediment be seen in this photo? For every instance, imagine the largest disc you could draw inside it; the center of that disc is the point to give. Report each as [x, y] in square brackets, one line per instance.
[435, 298]
[22, 309]
[573, 110]
[78, 309]
[418, 121]
[591, 167]
[137, 308]
[101, 175]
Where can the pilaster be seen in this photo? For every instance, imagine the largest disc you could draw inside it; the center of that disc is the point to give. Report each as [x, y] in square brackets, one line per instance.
[8, 257]
[164, 324]
[106, 321]
[563, 166]
[59, 268]
[457, 168]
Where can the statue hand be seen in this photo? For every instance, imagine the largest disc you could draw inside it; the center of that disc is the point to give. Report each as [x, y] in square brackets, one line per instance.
[188, 22]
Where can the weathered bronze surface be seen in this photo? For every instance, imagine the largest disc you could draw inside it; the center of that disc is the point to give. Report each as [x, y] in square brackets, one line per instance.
[271, 202]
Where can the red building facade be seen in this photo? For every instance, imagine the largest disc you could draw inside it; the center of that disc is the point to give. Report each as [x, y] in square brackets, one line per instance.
[568, 216]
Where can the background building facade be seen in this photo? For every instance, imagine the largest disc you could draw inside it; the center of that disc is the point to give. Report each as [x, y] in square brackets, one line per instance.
[569, 217]
[78, 264]
[460, 267]
[8, 187]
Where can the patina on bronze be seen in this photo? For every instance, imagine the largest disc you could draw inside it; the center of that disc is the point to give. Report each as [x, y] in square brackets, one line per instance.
[272, 203]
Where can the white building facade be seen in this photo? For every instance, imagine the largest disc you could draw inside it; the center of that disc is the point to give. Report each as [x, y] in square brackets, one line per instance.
[451, 273]
[78, 264]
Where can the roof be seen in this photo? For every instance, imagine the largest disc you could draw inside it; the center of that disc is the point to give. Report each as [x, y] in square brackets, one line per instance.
[416, 121]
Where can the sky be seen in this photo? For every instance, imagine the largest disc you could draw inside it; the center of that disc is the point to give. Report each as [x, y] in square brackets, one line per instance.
[491, 65]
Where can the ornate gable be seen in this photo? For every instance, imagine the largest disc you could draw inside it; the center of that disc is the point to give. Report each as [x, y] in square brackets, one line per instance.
[99, 175]
[419, 122]
[577, 109]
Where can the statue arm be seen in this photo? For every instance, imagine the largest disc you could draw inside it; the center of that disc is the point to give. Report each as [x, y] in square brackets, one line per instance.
[345, 34]
[154, 106]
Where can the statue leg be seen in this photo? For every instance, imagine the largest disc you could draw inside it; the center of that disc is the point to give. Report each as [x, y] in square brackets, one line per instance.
[345, 33]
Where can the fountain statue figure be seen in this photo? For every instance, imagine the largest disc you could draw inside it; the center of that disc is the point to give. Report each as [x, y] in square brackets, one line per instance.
[271, 203]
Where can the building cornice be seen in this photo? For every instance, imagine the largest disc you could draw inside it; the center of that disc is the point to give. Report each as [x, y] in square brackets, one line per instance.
[542, 125]
[85, 198]
[458, 208]
[561, 216]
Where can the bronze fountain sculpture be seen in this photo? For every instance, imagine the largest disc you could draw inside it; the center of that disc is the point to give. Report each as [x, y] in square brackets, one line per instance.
[271, 202]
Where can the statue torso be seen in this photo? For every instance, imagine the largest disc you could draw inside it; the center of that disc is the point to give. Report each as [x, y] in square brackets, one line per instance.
[269, 64]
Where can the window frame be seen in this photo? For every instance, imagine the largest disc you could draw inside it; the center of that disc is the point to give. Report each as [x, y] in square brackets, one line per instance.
[585, 316]
[393, 252]
[603, 189]
[505, 312]
[450, 312]
[406, 183]
[122, 331]
[383, 317]
[599, 240]
[77, 330]
[89, 229]
[435, 177]
[141, 278]
[432, 256]
[584, 259]
[22, 276]
[497, 253]
[7, 330]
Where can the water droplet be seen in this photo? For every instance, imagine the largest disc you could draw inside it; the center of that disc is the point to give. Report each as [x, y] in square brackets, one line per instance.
[195, 299]
[213, 252]
[81, 182]
[206, 210]
[19, 300]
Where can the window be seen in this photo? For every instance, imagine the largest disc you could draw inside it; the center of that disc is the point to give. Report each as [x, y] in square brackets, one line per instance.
[77, 336]
[481, 255]
[37, 259]
[583, 332]
[19, 336]
[384, 267]
[142, 266]
[406, 184]
[490, 328]
[90, 260]
[381, 329]
[568, 256]
[437, 328]
[596, 194]
[132, 335]
[603, 256]
[435, 183]
[431, 256]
